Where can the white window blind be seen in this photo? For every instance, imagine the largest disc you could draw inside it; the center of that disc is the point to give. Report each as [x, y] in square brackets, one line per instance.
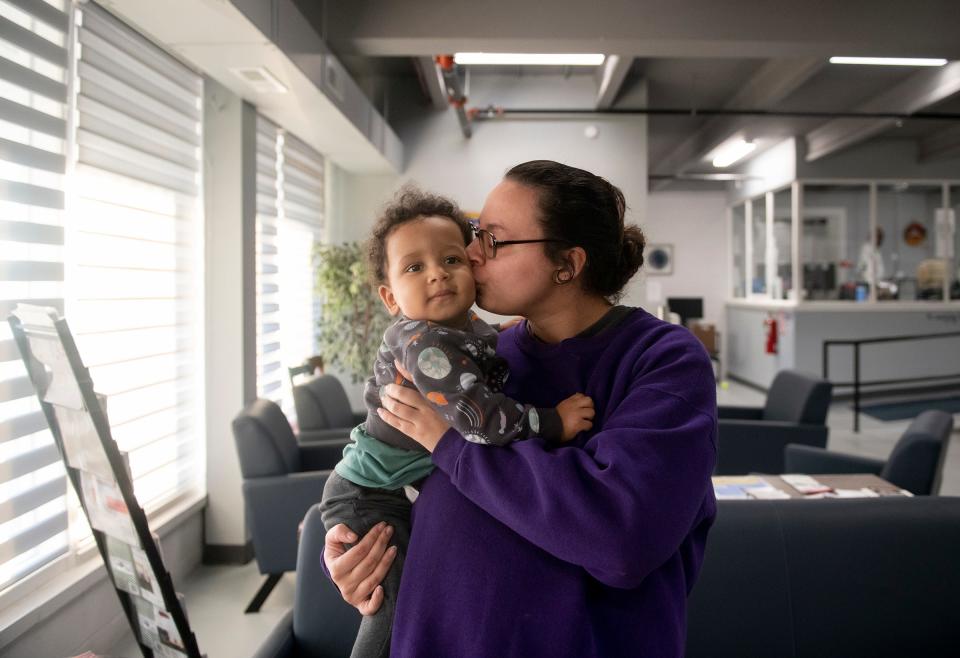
[134, 250]
[290, 207]
[34, 60]
[270, 375]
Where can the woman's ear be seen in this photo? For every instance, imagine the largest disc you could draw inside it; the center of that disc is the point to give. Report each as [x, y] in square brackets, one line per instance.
[388, 299]
[576, 260]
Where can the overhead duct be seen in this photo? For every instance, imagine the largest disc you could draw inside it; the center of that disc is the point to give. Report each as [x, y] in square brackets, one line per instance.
[456, 95]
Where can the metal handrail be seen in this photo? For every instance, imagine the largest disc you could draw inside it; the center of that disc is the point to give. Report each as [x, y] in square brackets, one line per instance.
[857, 384]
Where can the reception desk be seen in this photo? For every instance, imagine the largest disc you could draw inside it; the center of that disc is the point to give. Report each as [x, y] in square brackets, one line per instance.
[802, 329]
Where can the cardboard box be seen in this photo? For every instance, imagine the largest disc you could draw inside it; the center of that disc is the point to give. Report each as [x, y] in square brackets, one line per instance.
[707, 334]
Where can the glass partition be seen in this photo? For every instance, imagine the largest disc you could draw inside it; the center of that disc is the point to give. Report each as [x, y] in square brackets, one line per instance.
[782, 246]
[738, 242]
[908, 265]
[835, 249]
[758, 234]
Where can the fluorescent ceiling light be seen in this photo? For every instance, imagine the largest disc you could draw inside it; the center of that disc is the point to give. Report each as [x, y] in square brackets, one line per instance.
[889, 61]
[529, 59]
[732, 151]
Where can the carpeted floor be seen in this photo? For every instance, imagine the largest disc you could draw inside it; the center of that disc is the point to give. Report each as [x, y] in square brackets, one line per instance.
[910, 409]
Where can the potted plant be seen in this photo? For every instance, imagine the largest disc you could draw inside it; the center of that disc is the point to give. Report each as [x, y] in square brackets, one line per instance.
[352, 317]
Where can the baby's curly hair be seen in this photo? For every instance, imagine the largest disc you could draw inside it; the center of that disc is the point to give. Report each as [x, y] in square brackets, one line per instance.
[409, 204]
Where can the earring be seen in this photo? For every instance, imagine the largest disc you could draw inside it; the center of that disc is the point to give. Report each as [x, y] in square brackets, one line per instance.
[561, 277]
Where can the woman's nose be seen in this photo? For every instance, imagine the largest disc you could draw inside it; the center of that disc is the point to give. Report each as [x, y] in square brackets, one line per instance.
[475, 253]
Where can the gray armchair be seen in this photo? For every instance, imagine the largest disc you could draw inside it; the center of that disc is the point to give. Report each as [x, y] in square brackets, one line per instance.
[915, 464]
[753, 438]
[323, 410]
[321, 624]
[281, 480]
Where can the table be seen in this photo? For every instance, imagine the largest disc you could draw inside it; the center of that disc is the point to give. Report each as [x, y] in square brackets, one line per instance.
[845, 482]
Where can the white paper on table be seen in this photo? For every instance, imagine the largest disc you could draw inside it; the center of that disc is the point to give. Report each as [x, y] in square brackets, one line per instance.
[855, 493]
[767, 493]
[804, 483]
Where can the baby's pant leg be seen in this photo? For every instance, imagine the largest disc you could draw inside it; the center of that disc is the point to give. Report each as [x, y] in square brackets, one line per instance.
[360, 509]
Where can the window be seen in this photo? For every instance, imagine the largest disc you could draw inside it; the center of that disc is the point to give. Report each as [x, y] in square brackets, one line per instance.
[134, 250]
[100, 192]
[34, 57]
[290, 197]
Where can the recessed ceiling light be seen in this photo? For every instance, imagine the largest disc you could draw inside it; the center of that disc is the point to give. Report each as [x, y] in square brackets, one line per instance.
[528, 59]
[890, 61]
[732, 151]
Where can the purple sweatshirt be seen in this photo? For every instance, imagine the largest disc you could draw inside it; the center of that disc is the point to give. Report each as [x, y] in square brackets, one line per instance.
[585, 549]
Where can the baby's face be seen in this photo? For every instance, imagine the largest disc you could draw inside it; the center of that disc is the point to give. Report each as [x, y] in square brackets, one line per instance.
[428, 272]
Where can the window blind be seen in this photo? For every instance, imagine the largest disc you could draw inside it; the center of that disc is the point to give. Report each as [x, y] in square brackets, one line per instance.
[290, 209]
[270, 375]
[134, 250]
[34, 61]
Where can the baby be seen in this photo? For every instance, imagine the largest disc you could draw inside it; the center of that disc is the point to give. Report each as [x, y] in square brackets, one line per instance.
[418, 258]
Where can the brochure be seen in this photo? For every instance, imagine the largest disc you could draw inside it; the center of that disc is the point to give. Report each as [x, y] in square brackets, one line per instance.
[106, 510]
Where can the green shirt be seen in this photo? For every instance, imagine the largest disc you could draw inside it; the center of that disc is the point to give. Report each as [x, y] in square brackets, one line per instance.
[375, 464]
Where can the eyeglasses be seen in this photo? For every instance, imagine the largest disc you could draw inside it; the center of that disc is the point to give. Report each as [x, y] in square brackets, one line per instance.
[489, 243]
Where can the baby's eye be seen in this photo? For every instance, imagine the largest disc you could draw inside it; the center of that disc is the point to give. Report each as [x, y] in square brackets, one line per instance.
[451, 260]
[416, 267]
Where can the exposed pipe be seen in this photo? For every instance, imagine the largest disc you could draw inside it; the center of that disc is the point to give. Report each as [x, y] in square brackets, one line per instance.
[494, 112]
[455, 92]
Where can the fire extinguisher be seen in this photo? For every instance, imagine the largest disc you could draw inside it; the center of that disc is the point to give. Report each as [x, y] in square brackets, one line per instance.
[772, 335]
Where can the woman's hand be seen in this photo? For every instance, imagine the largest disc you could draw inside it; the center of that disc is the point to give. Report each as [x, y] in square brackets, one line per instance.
[408, 411]
[358, 572]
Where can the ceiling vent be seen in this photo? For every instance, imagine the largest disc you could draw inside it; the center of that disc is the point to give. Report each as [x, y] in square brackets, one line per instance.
[260, 79]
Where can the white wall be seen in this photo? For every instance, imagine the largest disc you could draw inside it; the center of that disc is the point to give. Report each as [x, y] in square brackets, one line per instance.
[695, 224]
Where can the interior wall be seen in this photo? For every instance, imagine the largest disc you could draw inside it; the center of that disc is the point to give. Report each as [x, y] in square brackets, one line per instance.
[694, 223]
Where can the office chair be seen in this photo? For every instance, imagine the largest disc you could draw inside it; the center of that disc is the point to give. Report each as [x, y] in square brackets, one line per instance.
[915, 464]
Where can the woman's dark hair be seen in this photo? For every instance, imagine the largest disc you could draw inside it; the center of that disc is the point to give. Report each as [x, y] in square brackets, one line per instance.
[409, 204]
[584, 210]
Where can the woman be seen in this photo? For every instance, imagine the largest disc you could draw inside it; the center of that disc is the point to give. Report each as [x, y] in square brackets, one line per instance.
[589, 549]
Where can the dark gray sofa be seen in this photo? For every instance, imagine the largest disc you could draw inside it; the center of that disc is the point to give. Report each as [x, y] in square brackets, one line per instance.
[829, 579]
[781, 579]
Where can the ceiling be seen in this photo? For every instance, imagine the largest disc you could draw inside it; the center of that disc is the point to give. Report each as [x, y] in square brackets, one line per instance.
[695, 54]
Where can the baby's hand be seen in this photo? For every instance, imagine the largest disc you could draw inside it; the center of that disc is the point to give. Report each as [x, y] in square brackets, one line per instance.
[576, 412]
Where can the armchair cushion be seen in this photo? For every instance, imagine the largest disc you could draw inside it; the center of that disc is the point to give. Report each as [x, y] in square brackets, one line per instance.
[739, 413]
[808, 459]
[311, 436]
[322, 455]
[276, 506]
[757, 446]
